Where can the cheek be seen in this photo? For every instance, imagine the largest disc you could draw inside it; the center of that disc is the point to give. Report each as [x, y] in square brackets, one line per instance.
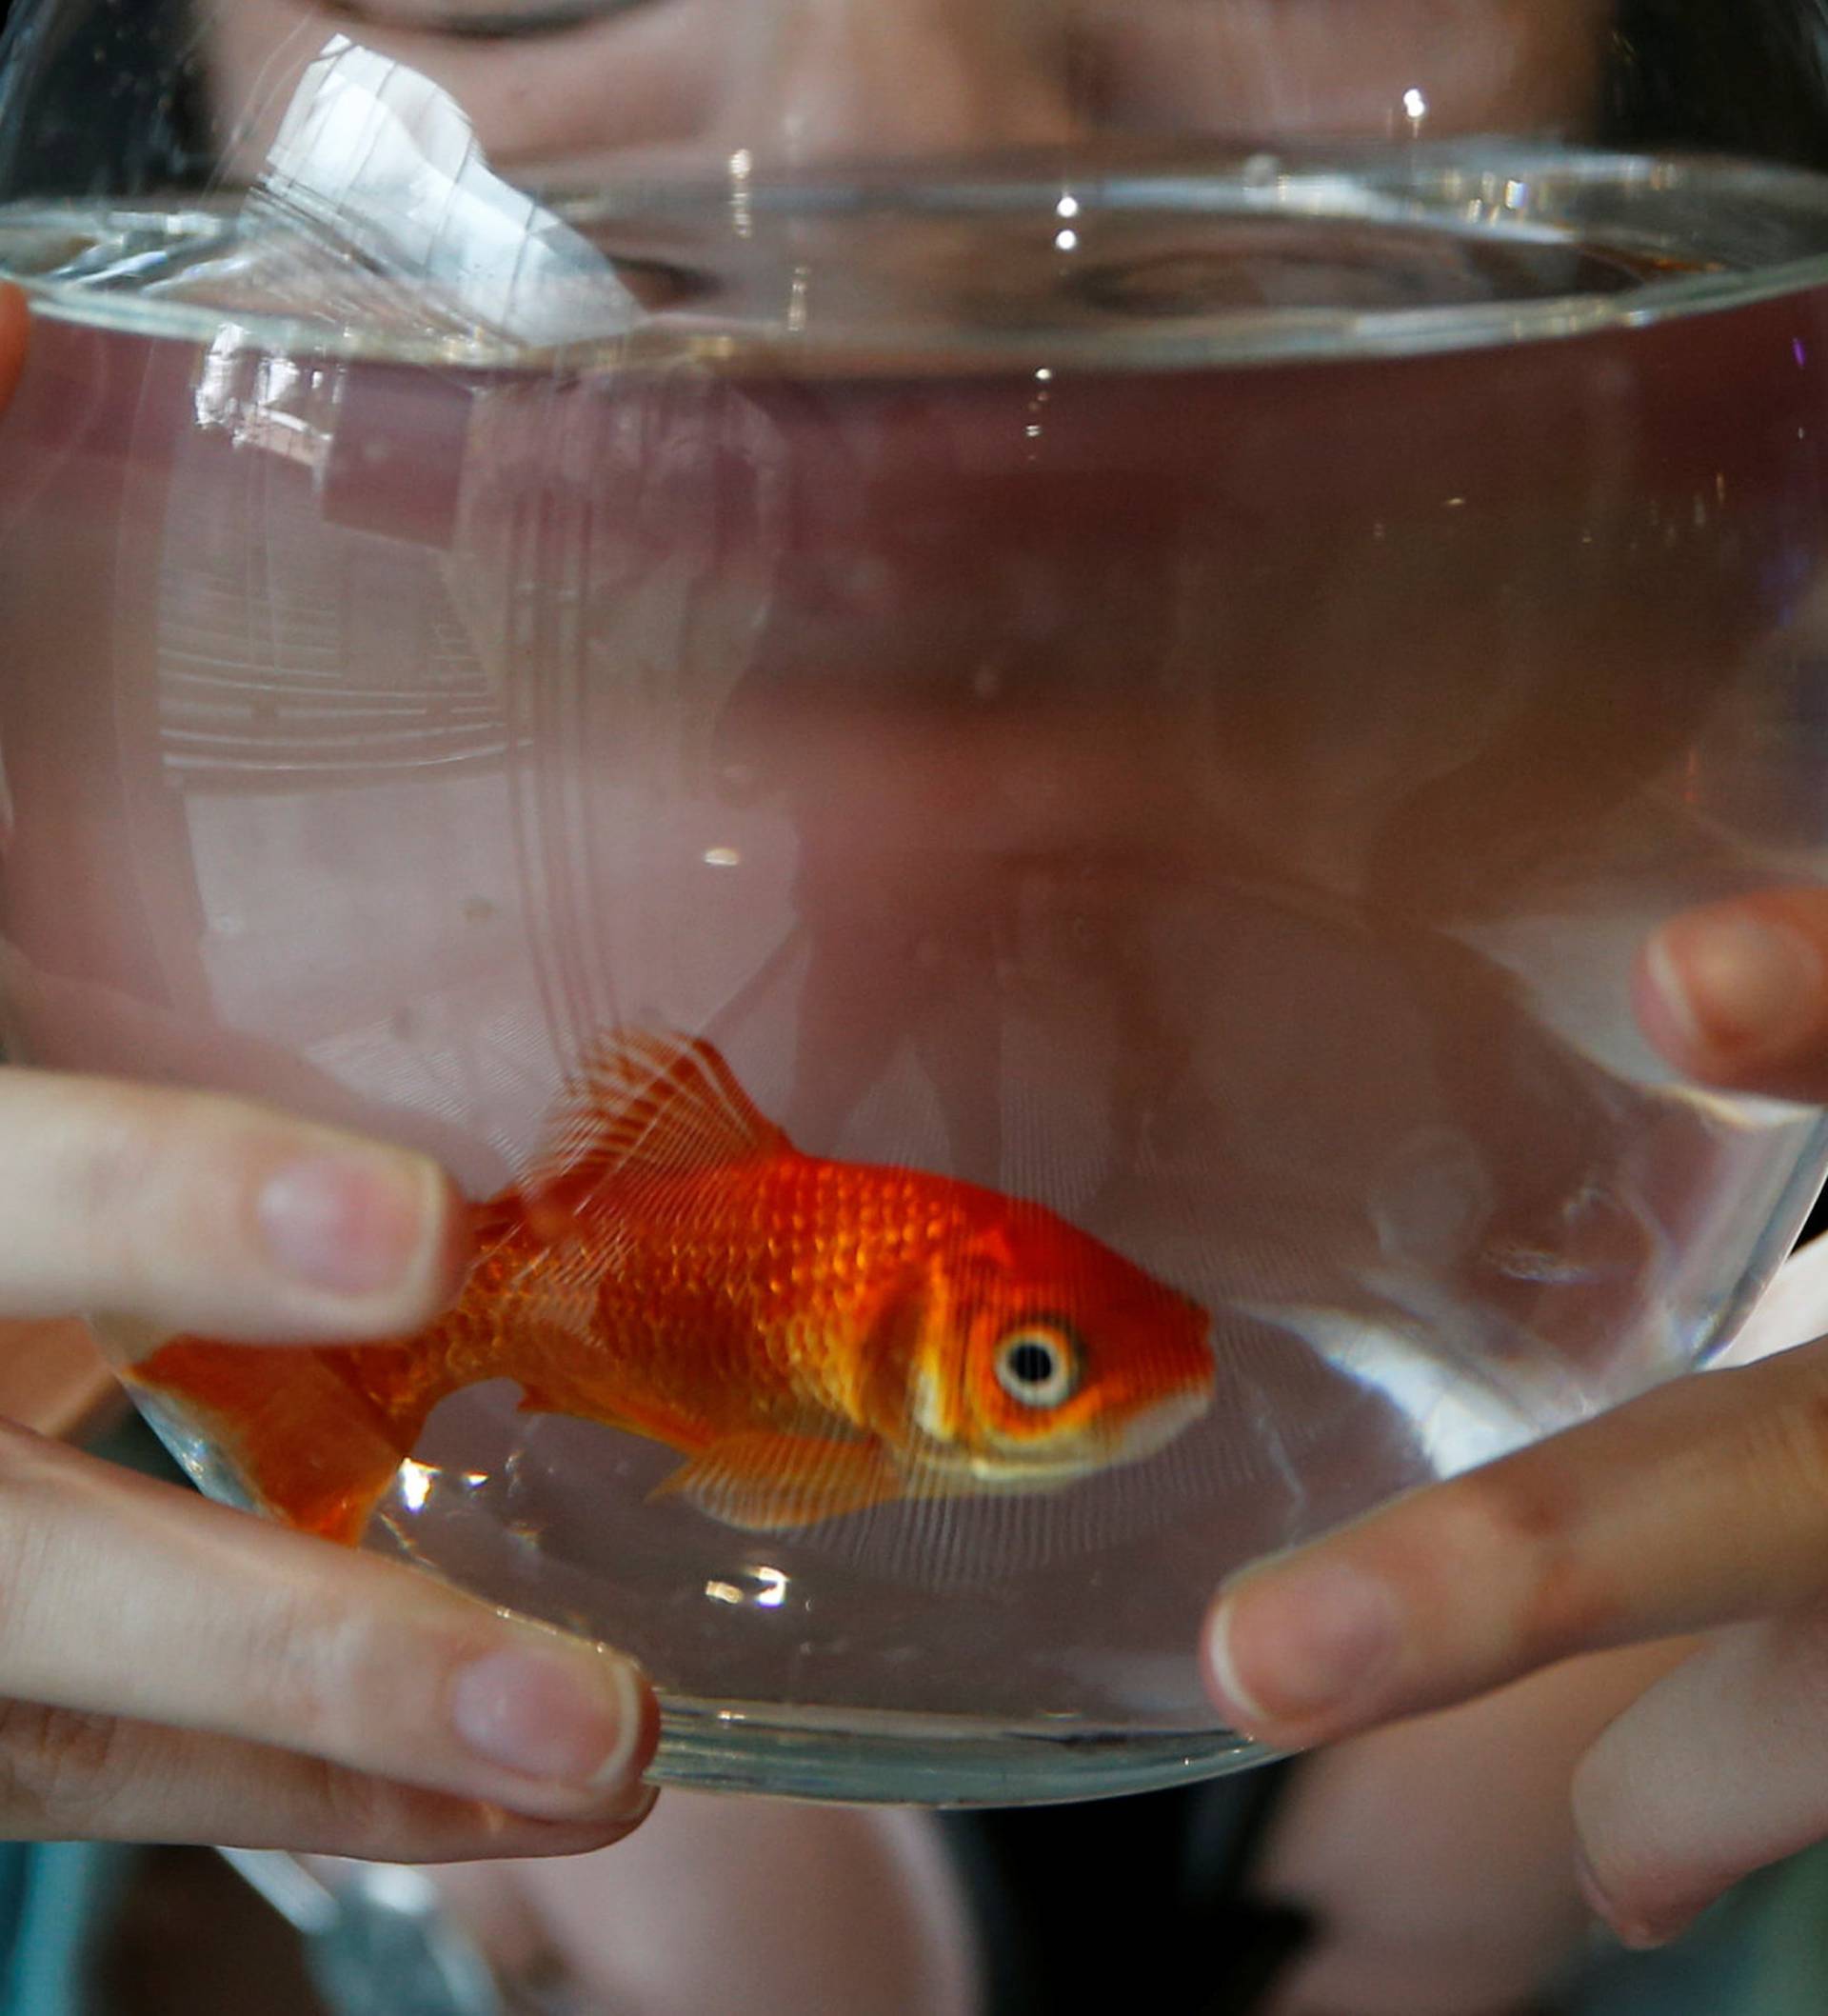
[1346, 67]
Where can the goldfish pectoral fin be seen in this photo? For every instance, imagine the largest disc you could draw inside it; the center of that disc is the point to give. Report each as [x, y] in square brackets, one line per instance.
[764, 1482]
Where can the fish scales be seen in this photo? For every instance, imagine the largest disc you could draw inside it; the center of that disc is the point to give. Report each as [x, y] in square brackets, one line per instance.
[813, 1336]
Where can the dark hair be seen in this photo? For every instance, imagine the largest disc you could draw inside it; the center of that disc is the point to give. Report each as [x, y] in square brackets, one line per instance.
[112, 100]
[1734, 76]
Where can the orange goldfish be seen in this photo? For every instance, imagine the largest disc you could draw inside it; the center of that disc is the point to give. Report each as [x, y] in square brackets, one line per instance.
[813, 1336]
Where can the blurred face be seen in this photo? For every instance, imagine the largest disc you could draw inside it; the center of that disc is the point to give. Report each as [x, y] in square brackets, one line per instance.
[795, 81]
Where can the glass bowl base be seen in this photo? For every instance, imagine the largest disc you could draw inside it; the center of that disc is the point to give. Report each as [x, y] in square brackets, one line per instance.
[889, 1759]
[863, 1756]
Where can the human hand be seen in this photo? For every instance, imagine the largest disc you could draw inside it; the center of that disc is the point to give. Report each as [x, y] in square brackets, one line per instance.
[173, 1670]
[1699, 1509]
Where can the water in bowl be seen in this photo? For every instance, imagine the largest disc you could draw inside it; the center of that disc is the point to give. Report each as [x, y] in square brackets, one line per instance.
[1174, 700]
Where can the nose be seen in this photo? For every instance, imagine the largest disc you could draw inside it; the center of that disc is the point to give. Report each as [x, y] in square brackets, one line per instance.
[849, 79]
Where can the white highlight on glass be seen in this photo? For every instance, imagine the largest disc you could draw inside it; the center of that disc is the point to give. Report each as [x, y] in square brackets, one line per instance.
[381, 162]
[1066, 241]
[771, 1593]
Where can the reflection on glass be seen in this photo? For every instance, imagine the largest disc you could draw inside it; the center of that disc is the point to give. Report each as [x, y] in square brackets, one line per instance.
[978, 706]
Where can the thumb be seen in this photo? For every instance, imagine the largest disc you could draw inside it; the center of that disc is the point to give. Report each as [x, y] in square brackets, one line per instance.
[1737, 993]
[1704, 1503]
[1719, 1769]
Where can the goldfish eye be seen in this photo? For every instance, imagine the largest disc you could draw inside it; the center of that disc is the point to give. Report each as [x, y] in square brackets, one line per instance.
[1038, 1365]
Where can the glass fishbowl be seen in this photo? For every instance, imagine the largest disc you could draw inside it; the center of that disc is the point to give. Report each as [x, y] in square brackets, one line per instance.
[979, 709]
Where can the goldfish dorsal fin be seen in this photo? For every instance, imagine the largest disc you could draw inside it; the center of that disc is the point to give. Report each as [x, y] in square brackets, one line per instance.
[642, 1103]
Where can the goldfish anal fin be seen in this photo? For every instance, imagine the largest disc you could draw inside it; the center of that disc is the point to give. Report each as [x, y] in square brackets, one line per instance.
[764, 1482]
[650, 1104]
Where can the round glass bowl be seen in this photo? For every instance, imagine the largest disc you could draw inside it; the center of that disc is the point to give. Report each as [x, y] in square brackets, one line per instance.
[996, 807]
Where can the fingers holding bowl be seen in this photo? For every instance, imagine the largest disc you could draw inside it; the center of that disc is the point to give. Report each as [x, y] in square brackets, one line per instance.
[1718, 1770]
[194, 1212]
[169, 1668]
[70, 1776]
[1737, 993]
[166, 1663]
[1699, 1505]
[1702, 1504]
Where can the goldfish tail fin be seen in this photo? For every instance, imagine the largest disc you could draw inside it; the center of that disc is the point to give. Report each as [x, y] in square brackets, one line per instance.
[314, 1435]
[764, 1482]
[657, 1105]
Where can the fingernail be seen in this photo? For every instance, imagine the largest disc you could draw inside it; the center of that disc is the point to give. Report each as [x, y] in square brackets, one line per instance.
[1637, 1932]
[574, 1719]
[349, 1221]
[1299, 1643]
[1730, 980]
